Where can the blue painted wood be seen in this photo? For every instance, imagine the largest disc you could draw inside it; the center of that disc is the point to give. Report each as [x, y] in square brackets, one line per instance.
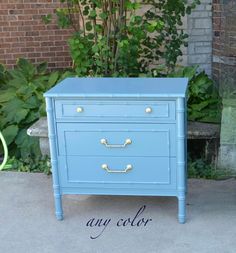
[152, 163]
[120, 87]
[54, 159]
[76, 171]
[145, 139]
[161, 110]
[181, 158]
[120, 190]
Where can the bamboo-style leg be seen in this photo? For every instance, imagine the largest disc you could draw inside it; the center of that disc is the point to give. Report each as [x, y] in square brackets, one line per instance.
[58, 203]
[181, 159]
[54, 163]
[181, 208]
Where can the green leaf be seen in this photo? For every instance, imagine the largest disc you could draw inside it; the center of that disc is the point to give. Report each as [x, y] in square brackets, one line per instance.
[32, 103]
[92, 14]
[103, 15]
[86, 11]
[42, 68]
[88, 26]
[32, 117]
[25, 92]
[53, 78]
[7, 95]
[19, 116]
[2, 68]
[190, 72]
[26, 67]
[27, 144]
[12, 105]
[9, 133]
[63, 18]
[22, 138]
[47, 19]
[14, 111]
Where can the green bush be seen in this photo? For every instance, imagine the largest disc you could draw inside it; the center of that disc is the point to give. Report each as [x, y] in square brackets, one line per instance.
[203, 100]
[115, 38]
[198, 168]
[29, 164]
[22, 103]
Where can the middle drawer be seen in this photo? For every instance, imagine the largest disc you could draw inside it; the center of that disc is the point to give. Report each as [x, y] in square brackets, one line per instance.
[81, 139]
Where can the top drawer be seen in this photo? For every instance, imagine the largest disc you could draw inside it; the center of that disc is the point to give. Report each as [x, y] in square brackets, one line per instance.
[80, 109]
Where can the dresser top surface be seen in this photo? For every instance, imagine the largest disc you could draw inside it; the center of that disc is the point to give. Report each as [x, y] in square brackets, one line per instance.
[119, 87]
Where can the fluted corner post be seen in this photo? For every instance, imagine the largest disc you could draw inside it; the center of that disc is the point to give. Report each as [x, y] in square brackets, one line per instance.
[181, 159]
[54, 162]
[186, 147]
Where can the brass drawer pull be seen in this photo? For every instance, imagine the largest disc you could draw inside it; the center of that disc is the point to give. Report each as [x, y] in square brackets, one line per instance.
[127, 142]
[148, 110]
[128, 167]
[80, 109]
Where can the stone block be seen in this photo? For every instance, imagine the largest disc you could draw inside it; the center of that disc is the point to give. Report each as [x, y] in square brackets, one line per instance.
[199, 58]
[203, 23]
[203, 50]
[198, 32]
[209, 7]
[207, 68]
[200, 7]
[203, 38]
[206, 2]
[227, 156]
[199, 14]
[191, 48]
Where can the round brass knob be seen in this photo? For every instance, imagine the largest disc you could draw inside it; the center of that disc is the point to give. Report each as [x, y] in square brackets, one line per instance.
[79, 109]
[128, 141]
[129, 167]
[148, 110]
[103, 141]
[104, 166]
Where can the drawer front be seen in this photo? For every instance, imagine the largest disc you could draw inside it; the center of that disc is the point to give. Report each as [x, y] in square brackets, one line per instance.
[78, 139]
[133, 109]
[159, 171]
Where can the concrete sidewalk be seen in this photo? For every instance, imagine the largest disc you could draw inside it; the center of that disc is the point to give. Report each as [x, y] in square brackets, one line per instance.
[28, 225]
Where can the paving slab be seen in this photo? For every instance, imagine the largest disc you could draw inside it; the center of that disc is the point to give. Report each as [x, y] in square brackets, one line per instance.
[28, 224]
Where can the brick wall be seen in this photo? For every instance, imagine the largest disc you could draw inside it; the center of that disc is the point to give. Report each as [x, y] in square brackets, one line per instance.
[224, 43]
[224, 73]
[23, 34]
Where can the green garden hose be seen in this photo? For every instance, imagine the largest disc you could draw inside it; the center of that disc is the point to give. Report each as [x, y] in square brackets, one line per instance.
[5, 150]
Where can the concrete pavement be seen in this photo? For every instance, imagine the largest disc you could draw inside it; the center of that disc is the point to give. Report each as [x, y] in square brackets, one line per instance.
[28, 225]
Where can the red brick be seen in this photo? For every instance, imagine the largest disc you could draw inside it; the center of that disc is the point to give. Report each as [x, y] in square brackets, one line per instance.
[30, 11]
[47, 43]
[15, 12]
[27, 49]
[33, 55]
[49, 54]
[12, 39]
[11, 62]
[11, 51]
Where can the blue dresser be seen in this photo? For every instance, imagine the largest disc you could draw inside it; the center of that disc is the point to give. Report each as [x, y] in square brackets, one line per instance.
[118, 136]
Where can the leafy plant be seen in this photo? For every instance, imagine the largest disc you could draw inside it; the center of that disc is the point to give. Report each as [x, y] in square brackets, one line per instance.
[39, 164]
[204, 101]
[118, 38]
[198, 168]
[115, 38]
[22, 103]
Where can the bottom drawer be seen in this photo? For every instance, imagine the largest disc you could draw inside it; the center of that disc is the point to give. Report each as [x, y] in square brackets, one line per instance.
[79, 170]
